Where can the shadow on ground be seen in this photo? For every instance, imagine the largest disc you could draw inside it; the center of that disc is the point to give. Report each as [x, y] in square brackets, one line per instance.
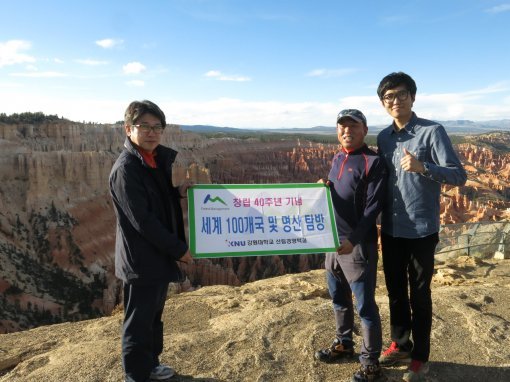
[189, 378]
[455, 372]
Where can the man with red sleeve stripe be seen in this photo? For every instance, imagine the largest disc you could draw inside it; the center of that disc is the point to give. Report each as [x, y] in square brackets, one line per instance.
[357, 185]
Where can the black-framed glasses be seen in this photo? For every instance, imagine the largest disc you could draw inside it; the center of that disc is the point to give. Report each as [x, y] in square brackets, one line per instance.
[402, 95]
[145, 128]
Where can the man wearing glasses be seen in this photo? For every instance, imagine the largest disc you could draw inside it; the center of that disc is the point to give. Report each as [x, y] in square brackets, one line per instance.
[150, 238]
[357, 184]
[420, 158]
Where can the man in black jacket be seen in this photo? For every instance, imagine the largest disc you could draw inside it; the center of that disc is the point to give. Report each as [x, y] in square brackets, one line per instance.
[150, 238]
[357, 183]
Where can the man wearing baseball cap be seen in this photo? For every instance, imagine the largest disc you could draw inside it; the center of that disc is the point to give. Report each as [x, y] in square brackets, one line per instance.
[357, 184]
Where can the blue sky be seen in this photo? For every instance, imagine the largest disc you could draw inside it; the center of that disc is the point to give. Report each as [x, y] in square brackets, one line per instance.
[253, 64]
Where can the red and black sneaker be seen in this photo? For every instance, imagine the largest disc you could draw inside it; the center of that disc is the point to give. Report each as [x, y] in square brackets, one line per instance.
[416, 371]
[394, 355]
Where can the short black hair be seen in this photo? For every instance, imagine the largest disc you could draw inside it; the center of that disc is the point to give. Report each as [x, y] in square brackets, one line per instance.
[138, 108]
[392, 80]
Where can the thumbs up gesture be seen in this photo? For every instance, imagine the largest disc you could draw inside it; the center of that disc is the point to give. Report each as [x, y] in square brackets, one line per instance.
[410, 163]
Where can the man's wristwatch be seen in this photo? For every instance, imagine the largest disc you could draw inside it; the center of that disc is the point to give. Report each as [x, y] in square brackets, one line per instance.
[426, 168]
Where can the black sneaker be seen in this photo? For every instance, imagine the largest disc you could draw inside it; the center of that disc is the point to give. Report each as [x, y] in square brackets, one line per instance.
[162, 373]
[367, 373]
[336, 352]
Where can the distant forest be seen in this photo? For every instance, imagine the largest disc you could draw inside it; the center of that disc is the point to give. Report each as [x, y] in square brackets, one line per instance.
[28, 117]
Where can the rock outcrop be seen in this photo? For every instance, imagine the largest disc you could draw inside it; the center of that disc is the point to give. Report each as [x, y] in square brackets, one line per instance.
[268, 331]
[57, 225]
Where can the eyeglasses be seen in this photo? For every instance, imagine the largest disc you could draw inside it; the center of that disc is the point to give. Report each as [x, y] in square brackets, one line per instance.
[145, 129]
[401, 95]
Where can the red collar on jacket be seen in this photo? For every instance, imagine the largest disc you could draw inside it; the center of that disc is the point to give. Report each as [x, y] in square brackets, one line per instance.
[148, 157]
[358, 150]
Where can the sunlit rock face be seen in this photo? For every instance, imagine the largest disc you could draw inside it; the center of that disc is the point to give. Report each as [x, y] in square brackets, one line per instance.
[57, 226]
[269, 330]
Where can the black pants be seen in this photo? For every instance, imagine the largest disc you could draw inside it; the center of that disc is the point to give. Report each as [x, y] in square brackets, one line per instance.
[142, 335]
[408, 269]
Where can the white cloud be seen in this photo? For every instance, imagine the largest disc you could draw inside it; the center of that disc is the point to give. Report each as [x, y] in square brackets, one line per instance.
[109, 43]
[37, 74]
[499, 8]
[73, 107]
[13, 85]
[135, 83]
[488, 103]
[477, 104]
[216, 74]
[134, 68]
[329, 73]
[213, 73]
[251, 114]
[10, 53]
[491, 89]
[90, 62]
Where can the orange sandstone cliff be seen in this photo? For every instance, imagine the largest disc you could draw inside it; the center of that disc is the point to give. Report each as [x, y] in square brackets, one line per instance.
[57, 225]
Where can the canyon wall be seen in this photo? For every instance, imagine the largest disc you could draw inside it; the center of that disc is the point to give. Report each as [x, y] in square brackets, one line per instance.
[57, 225]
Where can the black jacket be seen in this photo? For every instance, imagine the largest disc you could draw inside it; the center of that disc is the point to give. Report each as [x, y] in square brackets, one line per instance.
[358, 181]
[150, 229]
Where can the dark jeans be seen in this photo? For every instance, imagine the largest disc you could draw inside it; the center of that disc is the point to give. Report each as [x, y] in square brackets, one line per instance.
[142, 336]
[408, 269]
[356, 274]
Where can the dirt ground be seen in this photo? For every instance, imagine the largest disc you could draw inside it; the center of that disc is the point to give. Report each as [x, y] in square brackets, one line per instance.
[268, 331]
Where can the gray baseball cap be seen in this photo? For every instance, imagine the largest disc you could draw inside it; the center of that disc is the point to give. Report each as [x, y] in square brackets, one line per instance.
[353, 114]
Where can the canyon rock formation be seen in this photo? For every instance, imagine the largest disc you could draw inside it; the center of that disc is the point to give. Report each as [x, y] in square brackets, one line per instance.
[268, 330]
[57, 225]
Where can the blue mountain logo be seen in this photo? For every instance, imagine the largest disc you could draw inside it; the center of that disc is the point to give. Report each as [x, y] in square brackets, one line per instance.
[213, 200]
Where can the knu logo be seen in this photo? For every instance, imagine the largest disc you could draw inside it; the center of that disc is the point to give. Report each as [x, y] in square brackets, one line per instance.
[208, 198]
[236, 243]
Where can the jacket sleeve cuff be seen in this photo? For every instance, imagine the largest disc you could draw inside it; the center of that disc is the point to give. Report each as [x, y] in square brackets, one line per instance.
[354, 240]
[180, 250]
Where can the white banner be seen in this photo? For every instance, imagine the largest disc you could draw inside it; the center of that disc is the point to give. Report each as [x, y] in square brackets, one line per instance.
[255, 220]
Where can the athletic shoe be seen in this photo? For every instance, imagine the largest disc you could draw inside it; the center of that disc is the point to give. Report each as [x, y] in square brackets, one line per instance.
[162, 372]
[416, 371]
[394, 355]
[367, 373]
[334, 353]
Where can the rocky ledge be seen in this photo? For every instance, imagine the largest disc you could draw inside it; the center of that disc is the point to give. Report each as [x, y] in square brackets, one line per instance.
[268, 330]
